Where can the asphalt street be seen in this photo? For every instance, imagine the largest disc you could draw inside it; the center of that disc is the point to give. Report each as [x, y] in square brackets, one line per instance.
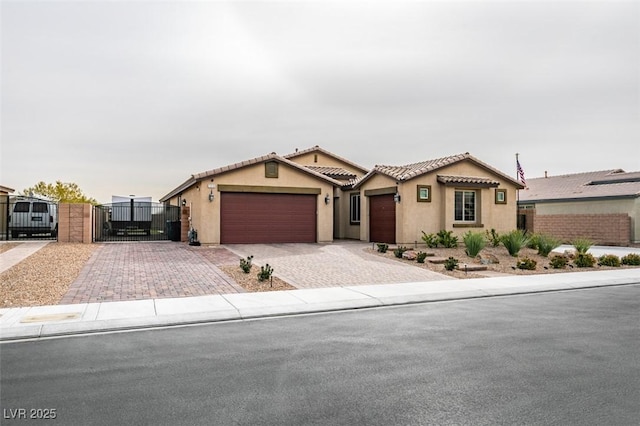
[554, 358]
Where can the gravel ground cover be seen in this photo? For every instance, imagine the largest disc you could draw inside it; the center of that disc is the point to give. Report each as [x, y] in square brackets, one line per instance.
[250, 281]
[507, 263]
[44, 277]
[7, 246]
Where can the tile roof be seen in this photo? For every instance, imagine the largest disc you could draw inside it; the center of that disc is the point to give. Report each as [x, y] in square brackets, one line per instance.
[410, 171]
[468, 180]
[600, 184]
[324, 151]
[220, 170]
[333, 172]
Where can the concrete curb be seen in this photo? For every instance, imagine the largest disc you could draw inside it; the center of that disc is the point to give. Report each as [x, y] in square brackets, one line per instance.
[67, 320]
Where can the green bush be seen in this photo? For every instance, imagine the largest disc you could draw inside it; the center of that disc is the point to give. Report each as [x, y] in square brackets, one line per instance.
[265, 273]
[546, 244]
[609, 260]
[451, 263]
[474, 242]
[398, 252]
[493, 237]
[245, 264]
[431, 240]
[632, 259]
[584, 260]
[514, 241]
[447, 240]
[582, 245]
[526, 263]
[382, 247]
[559, 261]
[420, 257]
[533, 241]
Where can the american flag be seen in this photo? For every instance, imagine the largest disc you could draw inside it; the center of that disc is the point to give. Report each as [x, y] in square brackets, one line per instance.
[520, 173]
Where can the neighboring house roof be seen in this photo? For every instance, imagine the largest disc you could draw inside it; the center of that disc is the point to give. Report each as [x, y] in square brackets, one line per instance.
[410, 171]
[324, 151]
[581, 186]
[220, 170]
[6, 189]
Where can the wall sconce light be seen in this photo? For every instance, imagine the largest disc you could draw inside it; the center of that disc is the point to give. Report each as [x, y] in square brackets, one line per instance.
[327, 200]
[184, 202]
[211, 196]
[211, 186]
[396, 197]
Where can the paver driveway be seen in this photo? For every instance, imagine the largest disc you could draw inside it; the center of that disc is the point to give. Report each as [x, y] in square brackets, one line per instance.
[135, 271]
[332, 265]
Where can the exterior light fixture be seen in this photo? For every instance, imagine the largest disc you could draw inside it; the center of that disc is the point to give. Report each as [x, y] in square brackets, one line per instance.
[211, 196]
[184, 202]
[327, 200]
[396, 197]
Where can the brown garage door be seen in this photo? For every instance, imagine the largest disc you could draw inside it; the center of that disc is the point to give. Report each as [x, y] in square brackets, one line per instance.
[267, 218]
[382, 219]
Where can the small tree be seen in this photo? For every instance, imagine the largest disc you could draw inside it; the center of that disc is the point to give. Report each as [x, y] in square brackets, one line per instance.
[60, 192]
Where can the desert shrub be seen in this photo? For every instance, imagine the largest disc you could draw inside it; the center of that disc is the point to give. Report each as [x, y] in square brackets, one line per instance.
[526, 263]
[493, 237]
[584, 260]
[474, 242]
[514, 241]
[431, 240]
[582, 245]
[245, 264]
[631, 259]
[265, 273]
[447, 240]
[609, 260]
[382, 247]
[546, 243]
[420, 257]
[533, 241]
[451, 263]
[559, 261]
[398, 251]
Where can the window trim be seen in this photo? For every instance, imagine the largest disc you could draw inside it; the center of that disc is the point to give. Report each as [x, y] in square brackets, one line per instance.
[504, 196]
[355, 207]
[421, 199]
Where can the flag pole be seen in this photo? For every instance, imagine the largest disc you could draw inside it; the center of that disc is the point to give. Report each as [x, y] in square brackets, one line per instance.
[517, 179]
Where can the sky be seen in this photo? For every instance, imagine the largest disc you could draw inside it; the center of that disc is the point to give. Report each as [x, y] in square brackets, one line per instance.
[132, 97]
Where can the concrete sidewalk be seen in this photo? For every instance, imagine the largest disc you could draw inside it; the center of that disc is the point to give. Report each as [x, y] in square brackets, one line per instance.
[60, 320]
[18, 254]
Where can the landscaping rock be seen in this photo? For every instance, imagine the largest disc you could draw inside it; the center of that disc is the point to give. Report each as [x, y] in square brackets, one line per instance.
[409, 255]
[488, 259]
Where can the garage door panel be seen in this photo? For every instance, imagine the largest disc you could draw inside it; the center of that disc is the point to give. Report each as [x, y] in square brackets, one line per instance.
[267, 218]
[382, 219]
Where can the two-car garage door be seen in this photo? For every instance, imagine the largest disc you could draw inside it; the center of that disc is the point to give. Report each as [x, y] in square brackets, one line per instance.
[267, 218]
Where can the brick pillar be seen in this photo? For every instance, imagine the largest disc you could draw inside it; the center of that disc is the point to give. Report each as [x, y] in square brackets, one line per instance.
[75, 223]
[185, 213]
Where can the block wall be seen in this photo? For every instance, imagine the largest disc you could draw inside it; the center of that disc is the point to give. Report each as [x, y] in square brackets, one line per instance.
[75, 223]
[602, 229]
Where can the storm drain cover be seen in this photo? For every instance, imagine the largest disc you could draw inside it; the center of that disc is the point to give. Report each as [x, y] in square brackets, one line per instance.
[51, 317]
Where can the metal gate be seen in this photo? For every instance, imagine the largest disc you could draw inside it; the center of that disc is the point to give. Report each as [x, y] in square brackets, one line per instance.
[23, 217]
[136, 221]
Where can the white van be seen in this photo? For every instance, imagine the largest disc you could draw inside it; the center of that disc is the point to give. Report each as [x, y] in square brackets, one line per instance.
[32, 216]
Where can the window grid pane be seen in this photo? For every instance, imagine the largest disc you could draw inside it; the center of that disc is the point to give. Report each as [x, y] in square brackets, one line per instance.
[465, 206]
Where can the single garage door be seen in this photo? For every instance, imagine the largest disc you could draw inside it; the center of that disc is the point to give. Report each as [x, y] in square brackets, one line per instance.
[382, 219]
[267, 218]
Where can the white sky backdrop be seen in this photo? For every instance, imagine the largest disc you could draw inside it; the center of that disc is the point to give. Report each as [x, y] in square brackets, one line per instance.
[132, 97]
